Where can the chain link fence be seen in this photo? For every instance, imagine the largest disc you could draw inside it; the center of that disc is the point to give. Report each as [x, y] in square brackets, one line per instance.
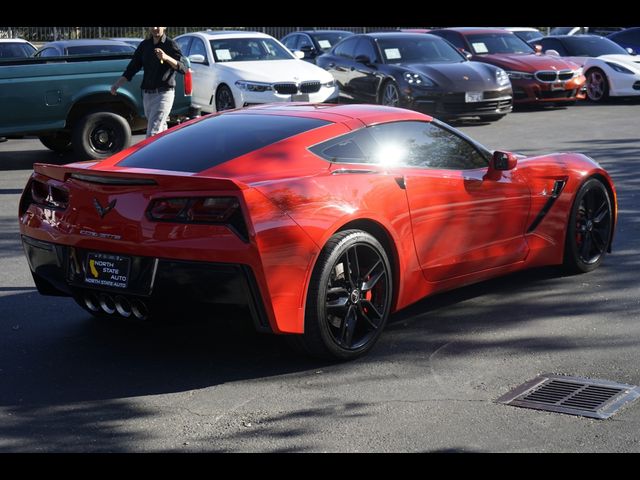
[48, 34]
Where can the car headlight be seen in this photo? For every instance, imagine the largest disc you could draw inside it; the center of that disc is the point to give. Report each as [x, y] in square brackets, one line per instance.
[502, 78]
[330, 84]
[619, 68]
[253, 86]
[577, 73]
[418, 79]
[514, 75]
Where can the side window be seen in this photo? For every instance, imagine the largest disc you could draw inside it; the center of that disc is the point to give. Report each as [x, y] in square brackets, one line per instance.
[198, 48]
[346, 47]
[365, 47]
[354, 147]
[554, 44]
[49, 52]
[305, 41]
[183, 43]
[291, 42]
[424, 145]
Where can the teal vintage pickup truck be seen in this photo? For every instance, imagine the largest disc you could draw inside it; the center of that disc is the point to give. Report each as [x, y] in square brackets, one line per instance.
[66, 103]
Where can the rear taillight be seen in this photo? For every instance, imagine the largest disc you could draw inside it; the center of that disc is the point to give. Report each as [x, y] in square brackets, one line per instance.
[44, 195]
[201, 210]
[188, 83]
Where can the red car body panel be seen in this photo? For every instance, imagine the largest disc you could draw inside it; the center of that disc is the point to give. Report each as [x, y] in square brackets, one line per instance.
[444, 228]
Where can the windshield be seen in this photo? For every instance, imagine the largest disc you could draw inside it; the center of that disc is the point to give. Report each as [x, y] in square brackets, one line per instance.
[528, 36]
[590, 46]
[16, 50]
[91, 49]
[326, 40]
[248, 49]
[485, 43]
[418, 49]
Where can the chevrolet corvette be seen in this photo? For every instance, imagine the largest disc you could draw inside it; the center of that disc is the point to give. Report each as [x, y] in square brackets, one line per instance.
[321, 219]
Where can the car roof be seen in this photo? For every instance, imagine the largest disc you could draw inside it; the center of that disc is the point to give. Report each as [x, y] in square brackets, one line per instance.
[211, 34]
[477, 30]
[327, 30]
[13, 40]
[521, 29]
[368, 114]
[84, 41]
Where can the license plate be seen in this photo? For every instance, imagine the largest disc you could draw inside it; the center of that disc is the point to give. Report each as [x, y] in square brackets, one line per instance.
[107, 270]
[473, 97]
[557, 86]
[301, 97]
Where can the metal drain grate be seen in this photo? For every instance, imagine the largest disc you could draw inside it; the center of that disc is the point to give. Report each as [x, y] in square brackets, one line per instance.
[572, 395]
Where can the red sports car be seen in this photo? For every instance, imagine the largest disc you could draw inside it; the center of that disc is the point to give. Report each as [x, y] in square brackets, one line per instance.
[323, 219]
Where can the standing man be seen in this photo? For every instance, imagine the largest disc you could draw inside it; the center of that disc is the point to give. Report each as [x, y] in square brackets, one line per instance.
[160, 57]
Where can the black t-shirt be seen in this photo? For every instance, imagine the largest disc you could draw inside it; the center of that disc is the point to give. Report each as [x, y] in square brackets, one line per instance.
[156, 74]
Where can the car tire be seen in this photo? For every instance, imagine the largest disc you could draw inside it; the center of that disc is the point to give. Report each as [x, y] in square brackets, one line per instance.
[390, 94]
[346, 312]
[597, 85]
[59, 142]
[100, 135]
[589, 228]
[224, 99]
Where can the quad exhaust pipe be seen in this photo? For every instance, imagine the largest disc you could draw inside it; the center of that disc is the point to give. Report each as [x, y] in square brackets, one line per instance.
[119, 304]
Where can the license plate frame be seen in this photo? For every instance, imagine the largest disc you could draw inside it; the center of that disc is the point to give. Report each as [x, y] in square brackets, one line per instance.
[300, 97]
[555, 86]
[473, 97]
[107, 270]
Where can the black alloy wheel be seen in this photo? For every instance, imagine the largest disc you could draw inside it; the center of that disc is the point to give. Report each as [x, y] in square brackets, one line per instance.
[100, 135]
[590, 227]
[390, 95]
[349, 297]
[224, 99]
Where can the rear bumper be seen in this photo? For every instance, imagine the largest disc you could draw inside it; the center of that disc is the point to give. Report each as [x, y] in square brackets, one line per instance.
[60, 270]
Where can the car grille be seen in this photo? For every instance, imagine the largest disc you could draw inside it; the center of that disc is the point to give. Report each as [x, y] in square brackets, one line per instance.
[290, 88]
[550, 76]
[310, 87]
[285, 88]
[557, 94]
[479, 107]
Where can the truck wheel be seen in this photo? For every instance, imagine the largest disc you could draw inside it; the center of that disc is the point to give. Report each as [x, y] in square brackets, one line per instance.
[100, 135]
[59, 142]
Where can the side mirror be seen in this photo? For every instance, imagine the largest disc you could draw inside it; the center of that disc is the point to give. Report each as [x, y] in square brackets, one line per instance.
[554, 53]
[298, 54]
[465, 53]
[630, 50]
[363, 59]
[538, 49]
[503, 161]
[196, 58]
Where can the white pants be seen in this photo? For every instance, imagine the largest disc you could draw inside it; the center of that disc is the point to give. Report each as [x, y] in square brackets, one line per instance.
[157, 107]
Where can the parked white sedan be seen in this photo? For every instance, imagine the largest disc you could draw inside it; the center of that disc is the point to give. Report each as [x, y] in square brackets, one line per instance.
[610, 69]
[236, 69]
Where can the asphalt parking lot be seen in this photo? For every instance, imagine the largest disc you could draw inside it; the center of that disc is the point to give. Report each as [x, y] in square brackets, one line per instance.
[69, 383]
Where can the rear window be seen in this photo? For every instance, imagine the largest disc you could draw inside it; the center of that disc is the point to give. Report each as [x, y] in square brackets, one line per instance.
[215, 140]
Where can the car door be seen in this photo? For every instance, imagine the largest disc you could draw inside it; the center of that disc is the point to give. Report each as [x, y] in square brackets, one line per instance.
[364, 78]
[203, 82]
[463, 221]
[339, 65]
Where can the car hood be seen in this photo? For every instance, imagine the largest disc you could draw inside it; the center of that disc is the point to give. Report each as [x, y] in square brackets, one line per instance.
[527, 63]
[466, 75]
[626, 60]
[269, 71]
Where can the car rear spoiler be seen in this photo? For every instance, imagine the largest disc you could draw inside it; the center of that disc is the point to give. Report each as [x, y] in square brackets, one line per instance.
[131, 176]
